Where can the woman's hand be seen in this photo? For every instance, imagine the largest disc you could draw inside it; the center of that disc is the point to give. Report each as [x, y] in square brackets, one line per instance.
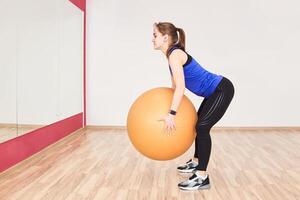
[169, 123]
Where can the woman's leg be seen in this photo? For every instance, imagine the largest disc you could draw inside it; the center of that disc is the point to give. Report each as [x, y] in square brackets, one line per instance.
[196, 143]
[212, 111]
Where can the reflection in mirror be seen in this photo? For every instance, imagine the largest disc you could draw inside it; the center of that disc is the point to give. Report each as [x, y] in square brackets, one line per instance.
[8, 110]
[70, 65]
[37, 65]
[50, 63]
[8, 122]
[41, 77]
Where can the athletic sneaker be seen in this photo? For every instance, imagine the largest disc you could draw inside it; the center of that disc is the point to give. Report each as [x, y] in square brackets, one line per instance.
[195, 182]
[189, 166]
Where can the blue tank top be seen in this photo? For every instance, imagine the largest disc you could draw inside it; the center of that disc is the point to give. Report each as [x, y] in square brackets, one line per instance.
[197, 79]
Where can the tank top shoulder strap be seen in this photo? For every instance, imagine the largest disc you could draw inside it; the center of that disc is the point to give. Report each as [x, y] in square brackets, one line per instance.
[173, 48]
[178, 47]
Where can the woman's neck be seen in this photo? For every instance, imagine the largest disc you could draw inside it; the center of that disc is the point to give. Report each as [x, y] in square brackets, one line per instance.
[164, 49]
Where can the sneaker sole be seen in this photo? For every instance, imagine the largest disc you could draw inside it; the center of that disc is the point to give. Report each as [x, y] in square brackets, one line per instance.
[186, 170]
[195, 188]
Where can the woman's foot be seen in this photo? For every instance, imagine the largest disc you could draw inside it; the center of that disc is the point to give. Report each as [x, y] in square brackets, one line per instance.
[195, 182]
[189, 166]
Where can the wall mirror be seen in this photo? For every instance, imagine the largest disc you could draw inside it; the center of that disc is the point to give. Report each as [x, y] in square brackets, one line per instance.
[41, 77]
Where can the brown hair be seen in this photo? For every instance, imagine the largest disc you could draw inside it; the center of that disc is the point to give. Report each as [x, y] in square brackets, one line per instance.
[171, 30]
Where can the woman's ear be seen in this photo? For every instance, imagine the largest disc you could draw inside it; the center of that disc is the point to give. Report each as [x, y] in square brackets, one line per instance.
[166, 37]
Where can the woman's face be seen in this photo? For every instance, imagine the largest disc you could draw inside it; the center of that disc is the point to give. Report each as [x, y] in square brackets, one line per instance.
[158, 39]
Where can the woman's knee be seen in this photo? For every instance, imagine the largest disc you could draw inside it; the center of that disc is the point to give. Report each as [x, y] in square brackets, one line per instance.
[202, 130]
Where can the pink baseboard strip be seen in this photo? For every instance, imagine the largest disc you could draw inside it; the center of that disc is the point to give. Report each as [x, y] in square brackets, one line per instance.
[15, 150]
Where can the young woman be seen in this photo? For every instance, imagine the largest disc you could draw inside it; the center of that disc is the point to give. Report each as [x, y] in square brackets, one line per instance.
[217, 91]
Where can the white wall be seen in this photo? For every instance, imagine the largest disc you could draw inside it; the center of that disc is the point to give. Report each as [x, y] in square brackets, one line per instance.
[41, 78]
[255, 43]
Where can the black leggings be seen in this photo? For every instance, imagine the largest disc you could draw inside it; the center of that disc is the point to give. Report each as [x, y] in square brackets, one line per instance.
[210, 112]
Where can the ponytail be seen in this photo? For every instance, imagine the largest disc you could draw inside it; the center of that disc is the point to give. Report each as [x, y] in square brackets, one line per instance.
[181, 41]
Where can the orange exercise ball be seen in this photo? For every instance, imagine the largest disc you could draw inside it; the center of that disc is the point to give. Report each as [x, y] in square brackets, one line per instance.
[147, 133]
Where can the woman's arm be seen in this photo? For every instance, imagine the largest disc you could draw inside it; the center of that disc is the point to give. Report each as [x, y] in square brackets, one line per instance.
[175, 61]
[173, 84]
